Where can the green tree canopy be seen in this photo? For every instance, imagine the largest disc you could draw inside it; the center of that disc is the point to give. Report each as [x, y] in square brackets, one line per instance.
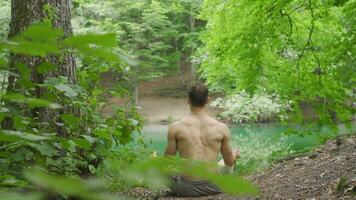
[301, 50]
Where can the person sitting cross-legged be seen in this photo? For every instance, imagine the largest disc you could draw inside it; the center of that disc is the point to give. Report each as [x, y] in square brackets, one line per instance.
[199, 137]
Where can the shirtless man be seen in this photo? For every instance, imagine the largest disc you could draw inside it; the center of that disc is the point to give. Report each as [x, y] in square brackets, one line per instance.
[199, 137]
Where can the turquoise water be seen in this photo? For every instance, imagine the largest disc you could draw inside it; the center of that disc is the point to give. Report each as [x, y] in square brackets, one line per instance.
[299, 138]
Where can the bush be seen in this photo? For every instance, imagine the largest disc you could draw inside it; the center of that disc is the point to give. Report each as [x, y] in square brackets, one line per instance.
[257, 152]
[261, 107]
[62, 131]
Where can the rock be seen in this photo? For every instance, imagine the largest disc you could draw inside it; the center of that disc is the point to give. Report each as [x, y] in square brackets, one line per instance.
[313, 155]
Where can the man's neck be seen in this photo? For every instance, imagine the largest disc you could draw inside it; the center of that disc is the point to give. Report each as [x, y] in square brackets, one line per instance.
[197, 110]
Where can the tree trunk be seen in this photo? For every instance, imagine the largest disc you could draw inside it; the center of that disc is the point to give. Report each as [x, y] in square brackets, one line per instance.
[23, 14]
[192, 30]
[185, 67]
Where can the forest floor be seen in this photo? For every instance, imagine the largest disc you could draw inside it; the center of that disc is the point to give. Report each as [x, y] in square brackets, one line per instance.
[329, 172]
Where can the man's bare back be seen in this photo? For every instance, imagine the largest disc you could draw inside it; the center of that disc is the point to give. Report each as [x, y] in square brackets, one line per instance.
[200, 137]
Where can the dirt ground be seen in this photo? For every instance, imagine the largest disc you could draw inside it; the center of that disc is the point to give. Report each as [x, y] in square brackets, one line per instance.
[329, 172]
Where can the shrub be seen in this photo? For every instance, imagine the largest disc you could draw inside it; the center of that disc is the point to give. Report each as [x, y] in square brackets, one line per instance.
[242, 107]
[257, 152]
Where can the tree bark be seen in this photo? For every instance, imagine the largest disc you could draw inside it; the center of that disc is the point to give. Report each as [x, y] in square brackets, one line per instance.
[23, 14]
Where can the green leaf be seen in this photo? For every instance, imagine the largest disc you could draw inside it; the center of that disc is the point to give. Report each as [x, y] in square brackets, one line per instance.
[11, 181]
[69, 145]
[46, 67]
[82, 143]
[3, 63]
[39, 39]
[92, 169]
[2, 116]
[69, 187]
[20, 122]
[102, 133]
[83, 41]
[10, 136]
[24, 70]
[9, 72]
[20, 196]
[89, 138]
[70, 119]
[163, 166]
[25, 75]
[68, 91]
[94, 45]
[5, 154]
[133, 122]
[44, 148]
[14, 97]
[32, 102]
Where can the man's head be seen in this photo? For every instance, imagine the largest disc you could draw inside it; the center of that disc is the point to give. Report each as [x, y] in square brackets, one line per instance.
[198, 95]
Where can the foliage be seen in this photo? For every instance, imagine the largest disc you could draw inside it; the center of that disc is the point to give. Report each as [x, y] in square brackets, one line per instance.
[155, 33]
[257, 152]
[302, 50]
[260, 107]
[154, 173]
[89, 136]
[4, 18]
[33, 153]
[4, 28]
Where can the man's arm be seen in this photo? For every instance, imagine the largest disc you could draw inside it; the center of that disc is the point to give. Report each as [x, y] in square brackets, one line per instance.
[226, 149]
[171, 148]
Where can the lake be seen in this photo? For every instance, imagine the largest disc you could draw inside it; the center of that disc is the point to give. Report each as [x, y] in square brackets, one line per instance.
[299, 138]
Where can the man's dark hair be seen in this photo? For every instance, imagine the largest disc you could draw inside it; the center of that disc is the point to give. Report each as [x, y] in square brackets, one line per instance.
[198, 95]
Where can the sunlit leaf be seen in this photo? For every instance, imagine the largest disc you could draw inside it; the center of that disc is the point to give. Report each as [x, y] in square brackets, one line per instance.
[2, 116]
[102, 133]
[94, 45]
[32, 40]
[162, 167]
[82, 143]
[14, 97]
[11, 181]
[46, 67]
[68, 91]
[71, 187]
[83, 41]
[20, 196]
[89, 138]
[32, 102]
[3, 63]
[70, 119]
[20, 122]
[9, 72]
[17, 135]
[4, 154]
[9, 138]
[44, 148]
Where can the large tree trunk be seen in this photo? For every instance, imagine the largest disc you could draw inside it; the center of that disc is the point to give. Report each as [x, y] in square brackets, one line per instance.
[23, 14]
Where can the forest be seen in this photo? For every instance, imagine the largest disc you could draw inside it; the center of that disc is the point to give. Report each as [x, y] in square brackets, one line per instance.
[89, 90]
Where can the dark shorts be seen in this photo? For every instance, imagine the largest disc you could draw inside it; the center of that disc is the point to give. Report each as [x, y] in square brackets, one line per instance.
[187, 188]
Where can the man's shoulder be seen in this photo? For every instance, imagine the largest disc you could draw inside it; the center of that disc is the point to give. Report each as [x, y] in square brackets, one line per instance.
[217, 123]
[176, 125]
[186, 121]
[219, 126]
